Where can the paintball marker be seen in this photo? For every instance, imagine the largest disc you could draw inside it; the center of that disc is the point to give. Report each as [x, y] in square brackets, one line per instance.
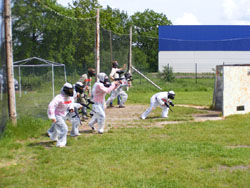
[77, 115]
[71, 110]
[87, 105]
[118, 79]
[170, 103]
[120, 72]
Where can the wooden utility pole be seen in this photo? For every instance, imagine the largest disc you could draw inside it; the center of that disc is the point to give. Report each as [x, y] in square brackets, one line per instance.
[110, 44]
[130, 51]
[9, 62]
[97, 43]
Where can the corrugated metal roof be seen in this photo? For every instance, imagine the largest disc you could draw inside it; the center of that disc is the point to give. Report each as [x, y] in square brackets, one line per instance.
[204, 38]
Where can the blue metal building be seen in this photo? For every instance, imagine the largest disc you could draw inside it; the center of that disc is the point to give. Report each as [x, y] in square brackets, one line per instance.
[187, 47]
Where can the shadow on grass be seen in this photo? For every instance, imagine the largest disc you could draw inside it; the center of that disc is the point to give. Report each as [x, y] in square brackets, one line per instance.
[157, 117]
[46, 144]
[86, 131]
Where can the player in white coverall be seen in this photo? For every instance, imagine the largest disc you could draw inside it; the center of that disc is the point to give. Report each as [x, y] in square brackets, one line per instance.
[125, 82]
[113, 76]
[74, 118]
[57, 111]
[159, 99]
[100, 89]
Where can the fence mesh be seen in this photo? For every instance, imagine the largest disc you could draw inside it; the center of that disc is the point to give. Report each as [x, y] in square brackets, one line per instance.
[113, 47]
[77, 53]
[68, 38]
[62, 39]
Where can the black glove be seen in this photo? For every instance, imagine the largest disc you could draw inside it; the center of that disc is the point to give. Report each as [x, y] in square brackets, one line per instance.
[171, 103]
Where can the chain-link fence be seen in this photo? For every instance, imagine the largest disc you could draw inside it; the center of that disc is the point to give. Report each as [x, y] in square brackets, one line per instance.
[66, 38]
[113, 47]
[63, 39]
[47, 55]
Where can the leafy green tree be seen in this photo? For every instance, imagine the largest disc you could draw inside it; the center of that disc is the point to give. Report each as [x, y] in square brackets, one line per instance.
[86, 31]
[168, 74]
[50, 31]
[114, 37]
[38, 31]
[140, 59]
[114, 20]
[145, 37]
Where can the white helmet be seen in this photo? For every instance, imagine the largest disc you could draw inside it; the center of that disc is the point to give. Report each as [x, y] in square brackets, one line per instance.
[171, 94]
[68, 89]
[101, 76]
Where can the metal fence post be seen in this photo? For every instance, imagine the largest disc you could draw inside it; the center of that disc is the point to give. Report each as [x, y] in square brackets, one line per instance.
[196, 71]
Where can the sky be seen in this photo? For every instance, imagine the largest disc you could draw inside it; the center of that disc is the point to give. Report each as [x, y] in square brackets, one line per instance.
[187, 12]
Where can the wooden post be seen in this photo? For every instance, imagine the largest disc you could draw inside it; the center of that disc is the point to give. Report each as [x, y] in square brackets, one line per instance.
[53, 85]
[110, 43]
[97, 43]
[130, 51]
[9, 62]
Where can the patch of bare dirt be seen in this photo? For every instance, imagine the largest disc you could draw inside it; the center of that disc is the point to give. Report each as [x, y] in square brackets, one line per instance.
[210, 115]
[7, 163]
[194, 106]
[233, 168]
[238, 146]
[129, 117]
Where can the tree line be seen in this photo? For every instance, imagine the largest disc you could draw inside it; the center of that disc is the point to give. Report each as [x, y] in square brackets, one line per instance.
[45, 29]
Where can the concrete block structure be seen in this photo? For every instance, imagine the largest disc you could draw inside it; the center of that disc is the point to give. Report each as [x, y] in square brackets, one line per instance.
[232, 89]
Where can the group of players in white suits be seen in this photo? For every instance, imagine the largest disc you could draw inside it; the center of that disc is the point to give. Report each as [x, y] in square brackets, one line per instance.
[66, 104]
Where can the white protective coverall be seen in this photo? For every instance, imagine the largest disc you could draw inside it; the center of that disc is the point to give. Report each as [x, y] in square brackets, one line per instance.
[57, 109]
[114, 75]
[119, 91]
[74, 118]
[99, 91]
[158, 99]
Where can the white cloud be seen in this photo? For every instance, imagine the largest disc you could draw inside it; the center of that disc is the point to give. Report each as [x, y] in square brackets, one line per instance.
[237, 11]
[229, 8]
[64, 2]
[187, 19]
[183, 12]
[240, 22]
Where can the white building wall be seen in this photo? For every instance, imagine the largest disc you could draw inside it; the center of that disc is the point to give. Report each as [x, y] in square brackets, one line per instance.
[185, 61]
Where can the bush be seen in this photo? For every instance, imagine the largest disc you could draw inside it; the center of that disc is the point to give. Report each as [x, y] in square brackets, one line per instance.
[168, 74]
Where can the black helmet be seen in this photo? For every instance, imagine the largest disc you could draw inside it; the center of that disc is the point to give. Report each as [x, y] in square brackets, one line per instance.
[106, 82]
[128, 76]
[79, 87]
[91, 72]
[171, 94]
[68, 89]
[115, 64]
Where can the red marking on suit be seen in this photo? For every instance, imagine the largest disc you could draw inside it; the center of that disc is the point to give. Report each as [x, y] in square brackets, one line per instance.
[67, 102]
[164, 100]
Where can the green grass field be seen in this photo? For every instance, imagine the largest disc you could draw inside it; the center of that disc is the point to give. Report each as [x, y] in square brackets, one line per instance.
[189, 154]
